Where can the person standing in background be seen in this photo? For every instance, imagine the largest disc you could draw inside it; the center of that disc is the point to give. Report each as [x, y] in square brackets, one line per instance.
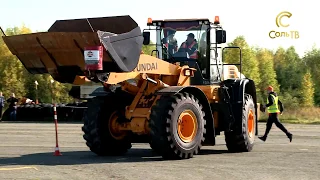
[1, 104]
[12, 107]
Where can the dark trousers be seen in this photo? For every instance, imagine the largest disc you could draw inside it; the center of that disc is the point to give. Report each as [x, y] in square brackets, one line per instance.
[273, 118]
[13, 115]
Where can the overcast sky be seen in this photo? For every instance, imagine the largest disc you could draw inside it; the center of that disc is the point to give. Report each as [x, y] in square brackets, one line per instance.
[253, 19]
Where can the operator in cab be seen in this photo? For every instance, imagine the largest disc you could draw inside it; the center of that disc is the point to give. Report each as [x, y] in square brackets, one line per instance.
[170, 42]
[190, 46]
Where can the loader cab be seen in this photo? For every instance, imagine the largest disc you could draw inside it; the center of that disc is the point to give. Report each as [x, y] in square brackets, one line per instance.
[193, 42]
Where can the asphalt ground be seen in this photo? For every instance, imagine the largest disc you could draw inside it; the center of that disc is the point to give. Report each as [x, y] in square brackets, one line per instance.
[26, 152]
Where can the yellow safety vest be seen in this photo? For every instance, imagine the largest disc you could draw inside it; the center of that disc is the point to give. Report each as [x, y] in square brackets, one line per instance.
[274, 107]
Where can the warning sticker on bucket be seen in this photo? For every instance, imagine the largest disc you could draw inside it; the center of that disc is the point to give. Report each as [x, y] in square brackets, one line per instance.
[91, 56]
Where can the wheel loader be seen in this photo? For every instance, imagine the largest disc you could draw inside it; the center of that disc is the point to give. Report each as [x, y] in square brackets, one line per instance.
[178, 98]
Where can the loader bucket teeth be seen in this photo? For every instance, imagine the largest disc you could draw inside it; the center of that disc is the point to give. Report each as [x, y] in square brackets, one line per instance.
[60, 51]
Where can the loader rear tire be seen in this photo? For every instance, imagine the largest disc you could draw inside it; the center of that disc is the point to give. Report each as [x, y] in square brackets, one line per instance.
[98, 136]
[174, 136]
[241, 139]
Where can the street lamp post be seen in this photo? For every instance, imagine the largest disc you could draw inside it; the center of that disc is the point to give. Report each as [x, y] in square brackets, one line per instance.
[36, 82]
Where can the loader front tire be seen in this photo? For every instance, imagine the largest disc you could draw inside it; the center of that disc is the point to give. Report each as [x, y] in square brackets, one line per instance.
[100, 115]
[177, 126]
[241, 139]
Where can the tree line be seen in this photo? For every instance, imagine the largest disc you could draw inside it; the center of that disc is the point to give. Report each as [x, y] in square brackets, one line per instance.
[293, 77]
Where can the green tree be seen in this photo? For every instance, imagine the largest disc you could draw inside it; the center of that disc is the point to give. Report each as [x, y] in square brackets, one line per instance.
[312, 60]
[267, 73]
[11, 69]
[249, 62]
[280, 66]
[290, 69]
[250, 65]
[307, 90]
[147, 49]
[279, 60]
[294, 70]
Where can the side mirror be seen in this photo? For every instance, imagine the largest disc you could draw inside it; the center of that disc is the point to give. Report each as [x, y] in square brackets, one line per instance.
[146, 38]
[221, 36]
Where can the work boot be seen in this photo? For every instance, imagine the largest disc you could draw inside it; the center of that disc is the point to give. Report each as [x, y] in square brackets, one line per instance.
[263, 138]
[290, 136]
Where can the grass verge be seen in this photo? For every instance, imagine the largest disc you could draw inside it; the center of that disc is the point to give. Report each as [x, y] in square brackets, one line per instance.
[305, 115]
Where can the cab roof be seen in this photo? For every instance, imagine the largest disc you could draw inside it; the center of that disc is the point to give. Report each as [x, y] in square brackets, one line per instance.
[180, 24]
[182, 20]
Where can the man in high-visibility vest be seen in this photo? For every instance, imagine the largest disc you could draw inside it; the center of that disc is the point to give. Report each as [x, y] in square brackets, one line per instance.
[274, 107]
[190, 46]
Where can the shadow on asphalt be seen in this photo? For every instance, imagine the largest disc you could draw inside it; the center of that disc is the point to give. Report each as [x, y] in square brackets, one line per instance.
[87, 157]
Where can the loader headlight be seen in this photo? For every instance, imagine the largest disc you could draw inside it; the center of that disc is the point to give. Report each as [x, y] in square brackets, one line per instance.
[187, 72]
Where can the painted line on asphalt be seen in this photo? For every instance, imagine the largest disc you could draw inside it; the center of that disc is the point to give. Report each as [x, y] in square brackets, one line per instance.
[18, 168]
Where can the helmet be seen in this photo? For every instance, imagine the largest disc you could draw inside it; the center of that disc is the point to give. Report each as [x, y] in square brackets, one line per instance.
[269, 88]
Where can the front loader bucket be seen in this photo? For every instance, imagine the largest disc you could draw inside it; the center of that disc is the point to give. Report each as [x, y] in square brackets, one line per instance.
[60, 51]
[124, 49]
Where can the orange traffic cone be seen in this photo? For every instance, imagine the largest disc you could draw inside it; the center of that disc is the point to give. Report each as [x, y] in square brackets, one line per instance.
[57, 152]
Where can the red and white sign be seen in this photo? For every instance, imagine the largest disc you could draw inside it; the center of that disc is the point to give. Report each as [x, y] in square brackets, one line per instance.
[93, 57]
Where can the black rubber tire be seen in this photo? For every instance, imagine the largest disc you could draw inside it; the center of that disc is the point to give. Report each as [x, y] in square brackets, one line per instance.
[163, 126]
[239, 140]
[153, 147]
[96, 126]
